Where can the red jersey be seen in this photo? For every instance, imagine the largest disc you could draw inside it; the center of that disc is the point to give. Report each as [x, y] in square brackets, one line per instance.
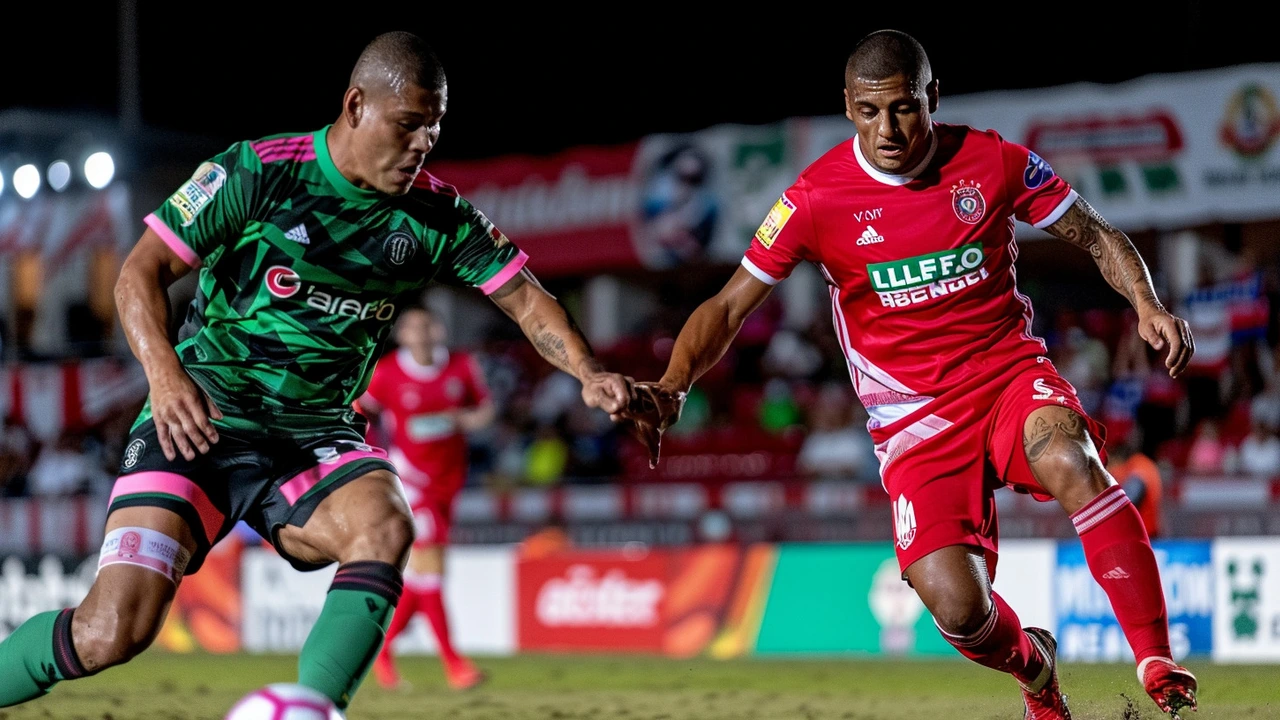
[418, 403]
[920, 266]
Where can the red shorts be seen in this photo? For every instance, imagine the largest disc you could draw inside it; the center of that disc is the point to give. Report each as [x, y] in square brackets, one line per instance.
[430, 502]
[942, 464]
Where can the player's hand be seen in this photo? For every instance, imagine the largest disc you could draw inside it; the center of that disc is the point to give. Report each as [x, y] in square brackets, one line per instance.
[1162, 330]
[608, 391]
[654, 409]
[178, 408]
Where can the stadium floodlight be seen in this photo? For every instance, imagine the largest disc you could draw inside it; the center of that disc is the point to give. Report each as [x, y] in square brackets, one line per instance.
[1, 183]
[99, 168]
[26, 181]
[59, 174]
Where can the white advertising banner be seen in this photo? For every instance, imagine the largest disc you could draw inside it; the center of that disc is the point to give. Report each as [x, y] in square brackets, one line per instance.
[281, 604]
[1025, 577]
[1246, 626]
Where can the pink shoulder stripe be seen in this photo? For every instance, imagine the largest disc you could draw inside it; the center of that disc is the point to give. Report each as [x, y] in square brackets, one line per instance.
[299, 148]
[170, 238]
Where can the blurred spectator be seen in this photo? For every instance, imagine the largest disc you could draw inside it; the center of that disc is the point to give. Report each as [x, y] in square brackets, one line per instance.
[553, 397]
[15, 458]
[778, 408]
[696, 415]
[790, 355]
[836, 446]
[64, 468]
[1208, 454]
[1086, 364]
[1140, 479]
[1130, 371]
[547, 457]
[1260, 452]
[592, 443]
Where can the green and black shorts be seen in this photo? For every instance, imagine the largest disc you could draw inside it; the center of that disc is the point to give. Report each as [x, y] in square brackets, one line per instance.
[266, 480]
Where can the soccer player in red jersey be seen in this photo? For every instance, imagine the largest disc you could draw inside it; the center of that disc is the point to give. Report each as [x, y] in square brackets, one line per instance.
[428, 399]
[912, 224]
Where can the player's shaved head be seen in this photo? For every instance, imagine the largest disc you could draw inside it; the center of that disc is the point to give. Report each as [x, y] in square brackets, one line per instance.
[886, 53]
[395, 59]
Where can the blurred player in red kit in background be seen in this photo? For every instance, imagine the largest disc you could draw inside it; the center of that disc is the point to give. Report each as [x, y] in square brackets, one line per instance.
[427, 399]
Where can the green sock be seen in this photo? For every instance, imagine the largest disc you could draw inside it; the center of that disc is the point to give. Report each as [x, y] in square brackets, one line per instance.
[29, 658]
[348, 634]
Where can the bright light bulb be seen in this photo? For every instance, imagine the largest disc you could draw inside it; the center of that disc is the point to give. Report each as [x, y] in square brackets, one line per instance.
[26, 181]
[59, 175]
[99, 169]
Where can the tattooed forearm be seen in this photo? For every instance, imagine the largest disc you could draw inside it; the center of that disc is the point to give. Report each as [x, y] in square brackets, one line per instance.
[547, 324]
[1111, 249]
[551, 347]
[1042, 435]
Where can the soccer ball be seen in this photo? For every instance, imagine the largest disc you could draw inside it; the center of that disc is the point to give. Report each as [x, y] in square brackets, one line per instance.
[284, 701]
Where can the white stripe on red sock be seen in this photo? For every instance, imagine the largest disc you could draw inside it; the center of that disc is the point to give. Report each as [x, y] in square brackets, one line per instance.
[1108, 503]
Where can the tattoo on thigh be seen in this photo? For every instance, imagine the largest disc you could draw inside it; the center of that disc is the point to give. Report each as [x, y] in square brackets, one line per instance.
[1042, 434]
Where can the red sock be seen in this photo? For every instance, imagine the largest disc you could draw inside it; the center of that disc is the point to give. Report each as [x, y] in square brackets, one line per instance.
[1001, 644]
[407, 606]
[431, 604]
[1120, 557]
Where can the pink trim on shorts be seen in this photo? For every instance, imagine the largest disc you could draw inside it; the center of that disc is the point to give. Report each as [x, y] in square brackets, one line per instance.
[301, 483]
[172, 484]
[170, 238]
[505, 274]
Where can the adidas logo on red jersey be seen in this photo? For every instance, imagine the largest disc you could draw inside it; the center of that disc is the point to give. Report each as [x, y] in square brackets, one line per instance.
[870, 237]
[1117, 574]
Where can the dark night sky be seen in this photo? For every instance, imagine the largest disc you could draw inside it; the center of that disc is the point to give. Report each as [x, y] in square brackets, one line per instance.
[539, 82]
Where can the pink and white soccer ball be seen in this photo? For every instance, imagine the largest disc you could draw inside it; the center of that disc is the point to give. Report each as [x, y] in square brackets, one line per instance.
[284, 701]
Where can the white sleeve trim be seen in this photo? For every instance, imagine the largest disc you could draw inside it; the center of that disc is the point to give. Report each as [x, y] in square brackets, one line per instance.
[761, 275]
[1059, 211]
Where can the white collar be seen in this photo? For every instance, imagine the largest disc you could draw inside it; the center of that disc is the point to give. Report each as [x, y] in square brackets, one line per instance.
[897, 179]
[439, 359]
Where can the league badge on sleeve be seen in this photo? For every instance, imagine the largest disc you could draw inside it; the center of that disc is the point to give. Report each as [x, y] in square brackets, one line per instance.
[198, 191]
[1037, 173]
[777, 219]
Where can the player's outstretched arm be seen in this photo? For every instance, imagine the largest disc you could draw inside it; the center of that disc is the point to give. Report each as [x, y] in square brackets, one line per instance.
[178, 406]
[559, 341]
[703, 340]
[1124, 269]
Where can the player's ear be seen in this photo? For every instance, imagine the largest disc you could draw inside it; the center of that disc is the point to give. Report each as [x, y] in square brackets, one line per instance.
[931, 92]
[353, 106]
[848, 109]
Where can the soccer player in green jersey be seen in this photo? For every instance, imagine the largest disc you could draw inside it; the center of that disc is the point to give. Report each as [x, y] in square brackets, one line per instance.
[308, 246]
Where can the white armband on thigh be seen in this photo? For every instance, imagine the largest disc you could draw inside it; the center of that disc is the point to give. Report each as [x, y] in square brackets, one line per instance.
[145, 548]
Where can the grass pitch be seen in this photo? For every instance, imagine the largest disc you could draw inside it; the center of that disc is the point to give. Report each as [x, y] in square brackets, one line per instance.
[160, 686]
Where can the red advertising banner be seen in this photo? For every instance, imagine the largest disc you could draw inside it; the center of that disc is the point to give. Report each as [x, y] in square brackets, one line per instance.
[680, 603]
[571, 212]
[593, 601]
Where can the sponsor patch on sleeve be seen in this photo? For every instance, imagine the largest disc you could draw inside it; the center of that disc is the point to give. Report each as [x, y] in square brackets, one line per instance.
[777, 219]
[198, 191]
[1037, 173]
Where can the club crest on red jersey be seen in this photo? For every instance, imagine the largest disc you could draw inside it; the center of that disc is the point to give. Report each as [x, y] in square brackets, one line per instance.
[967, 201]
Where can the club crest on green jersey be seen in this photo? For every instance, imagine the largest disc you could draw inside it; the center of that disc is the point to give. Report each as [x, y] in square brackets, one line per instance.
[399, 248]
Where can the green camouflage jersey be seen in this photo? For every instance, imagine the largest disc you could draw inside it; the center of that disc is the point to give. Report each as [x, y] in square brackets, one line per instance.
[302, 273]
